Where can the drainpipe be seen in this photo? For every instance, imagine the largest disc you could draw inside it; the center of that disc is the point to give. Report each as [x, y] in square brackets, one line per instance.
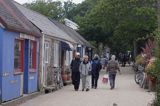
[42, 67]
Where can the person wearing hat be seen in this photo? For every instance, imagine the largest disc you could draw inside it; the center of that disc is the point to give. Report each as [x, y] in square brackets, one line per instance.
[96, 67]
[112, 68]
[75, 71]
[85, 69]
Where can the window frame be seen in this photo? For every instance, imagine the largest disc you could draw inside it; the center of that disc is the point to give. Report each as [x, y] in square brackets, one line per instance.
[20, 68]
[56, 54]
[32, 50]
[46, 52]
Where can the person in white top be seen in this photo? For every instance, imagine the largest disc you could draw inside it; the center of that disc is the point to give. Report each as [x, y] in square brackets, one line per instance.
[85, 70]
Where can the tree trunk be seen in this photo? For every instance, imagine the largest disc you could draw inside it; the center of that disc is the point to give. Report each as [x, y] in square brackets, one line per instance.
[135, 49]
[158, 7]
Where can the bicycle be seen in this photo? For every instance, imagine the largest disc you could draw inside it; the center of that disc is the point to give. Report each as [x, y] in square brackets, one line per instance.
[139, 75]
[58, 78]
[49, 76]
[54, 79]
[49, 82]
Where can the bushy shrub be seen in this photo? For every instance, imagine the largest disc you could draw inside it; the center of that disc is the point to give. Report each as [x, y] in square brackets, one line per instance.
[140, 59]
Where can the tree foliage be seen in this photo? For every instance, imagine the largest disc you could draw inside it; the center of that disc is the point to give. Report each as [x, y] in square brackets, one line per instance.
[48, 8]
[119, 22]
[68, 7]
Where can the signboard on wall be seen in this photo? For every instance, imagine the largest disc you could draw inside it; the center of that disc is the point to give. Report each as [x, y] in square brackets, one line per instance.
[24, 36]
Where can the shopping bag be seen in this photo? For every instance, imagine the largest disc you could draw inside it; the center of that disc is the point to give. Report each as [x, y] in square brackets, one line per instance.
[105, 79]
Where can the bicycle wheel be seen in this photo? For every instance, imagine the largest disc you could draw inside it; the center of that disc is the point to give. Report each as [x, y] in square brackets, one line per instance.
[55, 80]
[137, 77]
[141, 80]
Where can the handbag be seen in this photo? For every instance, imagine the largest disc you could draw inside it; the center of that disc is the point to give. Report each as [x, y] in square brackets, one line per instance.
[105, 79]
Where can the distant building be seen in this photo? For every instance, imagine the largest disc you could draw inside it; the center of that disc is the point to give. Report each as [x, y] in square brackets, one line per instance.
[71, 24]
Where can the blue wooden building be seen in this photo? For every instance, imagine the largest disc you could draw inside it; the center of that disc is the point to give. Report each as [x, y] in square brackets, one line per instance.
[19, 49]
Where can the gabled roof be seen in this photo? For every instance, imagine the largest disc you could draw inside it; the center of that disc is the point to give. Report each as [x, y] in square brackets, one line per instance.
[68, 31]
[72, 33]
[44, 24]
[13, 19]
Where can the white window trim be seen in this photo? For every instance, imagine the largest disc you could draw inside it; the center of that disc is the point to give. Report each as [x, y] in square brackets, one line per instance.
[46, 50]
[56, 54]
[67, 58]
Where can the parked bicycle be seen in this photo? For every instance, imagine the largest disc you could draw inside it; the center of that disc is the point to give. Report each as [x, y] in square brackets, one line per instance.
[140, 76]
[49, 77]
[58, 78]
[54, 78]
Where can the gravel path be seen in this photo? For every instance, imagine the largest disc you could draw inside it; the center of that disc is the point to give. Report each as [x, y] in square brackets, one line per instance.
[126, 93]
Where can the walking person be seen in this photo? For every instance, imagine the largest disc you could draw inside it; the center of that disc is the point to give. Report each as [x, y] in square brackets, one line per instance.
[75, 71]
[96, 67]
[112, 70]
[124, 58]
[85, 70]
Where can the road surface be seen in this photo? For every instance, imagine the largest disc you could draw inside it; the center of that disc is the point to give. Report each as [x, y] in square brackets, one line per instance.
[126, 93]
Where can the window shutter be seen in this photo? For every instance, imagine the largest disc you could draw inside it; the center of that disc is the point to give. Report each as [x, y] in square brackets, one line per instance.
[21, 58]
[34, 55]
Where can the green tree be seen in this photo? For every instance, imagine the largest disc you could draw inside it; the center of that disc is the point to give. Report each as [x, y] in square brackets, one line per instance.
[69, 7]
[119, 22]
[50, 9]
[82, 9]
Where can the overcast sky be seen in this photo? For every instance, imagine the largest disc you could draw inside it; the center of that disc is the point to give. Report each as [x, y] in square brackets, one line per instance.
[24, 1]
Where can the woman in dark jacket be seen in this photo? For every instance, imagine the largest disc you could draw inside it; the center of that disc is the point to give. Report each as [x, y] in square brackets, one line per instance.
[75, 71]
[96, 67]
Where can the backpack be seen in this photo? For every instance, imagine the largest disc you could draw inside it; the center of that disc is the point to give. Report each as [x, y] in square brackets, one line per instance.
[96, 66]
[112, 66]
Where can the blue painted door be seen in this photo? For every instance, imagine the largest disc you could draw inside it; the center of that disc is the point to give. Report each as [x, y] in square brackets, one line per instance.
[30, 71]
[25, 81]
[1, 37]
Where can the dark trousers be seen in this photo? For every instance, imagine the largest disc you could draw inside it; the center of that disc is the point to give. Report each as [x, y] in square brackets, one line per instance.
[95, 80]
[112, 78]
[76, 80]
[123, 63]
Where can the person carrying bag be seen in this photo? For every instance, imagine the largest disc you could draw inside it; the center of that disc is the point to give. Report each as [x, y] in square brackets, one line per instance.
[112, 71]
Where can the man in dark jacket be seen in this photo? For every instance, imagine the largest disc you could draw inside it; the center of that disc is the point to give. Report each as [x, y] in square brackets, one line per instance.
[75, 71]
[96, 67]
[112, 68]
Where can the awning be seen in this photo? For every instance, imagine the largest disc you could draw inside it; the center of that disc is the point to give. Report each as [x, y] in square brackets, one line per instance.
[66, 46]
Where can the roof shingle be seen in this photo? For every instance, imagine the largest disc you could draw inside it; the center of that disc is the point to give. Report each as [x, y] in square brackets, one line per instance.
[75, 35]
[44, 24]
[14, 20]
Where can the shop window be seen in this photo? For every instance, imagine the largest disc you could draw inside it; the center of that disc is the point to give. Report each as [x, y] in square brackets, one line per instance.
[18, 56]
[46, 52]
[32, 55]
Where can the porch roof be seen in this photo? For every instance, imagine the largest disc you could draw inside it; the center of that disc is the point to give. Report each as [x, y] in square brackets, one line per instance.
[12, 19]
[72, 33]
[44, 24]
